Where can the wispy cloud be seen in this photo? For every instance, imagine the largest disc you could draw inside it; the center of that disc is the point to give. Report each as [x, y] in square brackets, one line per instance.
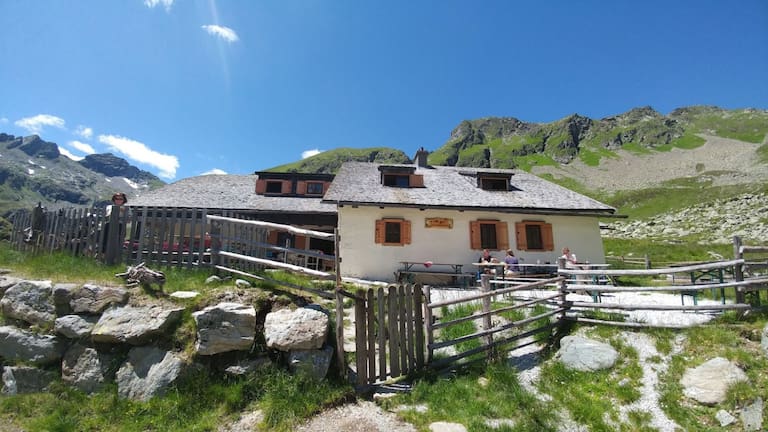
[83, 147]
[3, 120]
[137, 151]
[309, 153]
[225, 33]
[165, 3]
[214, 171]
[66, 153]
[84, 131]
[36, 124]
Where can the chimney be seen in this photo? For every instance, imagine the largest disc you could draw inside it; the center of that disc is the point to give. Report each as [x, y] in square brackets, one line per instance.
[421, 157]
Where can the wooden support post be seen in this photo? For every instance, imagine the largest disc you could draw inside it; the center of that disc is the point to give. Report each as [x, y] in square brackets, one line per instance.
[341, 360]
[738, 269]
[485, 287]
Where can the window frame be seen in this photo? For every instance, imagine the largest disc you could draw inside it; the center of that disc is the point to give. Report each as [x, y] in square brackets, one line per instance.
[487, 181]
[546, 238]
[314, 184]
[380, 232]
[270, 184]
[398, 180]
[501, 230]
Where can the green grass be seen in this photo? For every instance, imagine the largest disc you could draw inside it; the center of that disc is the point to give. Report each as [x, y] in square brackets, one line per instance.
[461, 329]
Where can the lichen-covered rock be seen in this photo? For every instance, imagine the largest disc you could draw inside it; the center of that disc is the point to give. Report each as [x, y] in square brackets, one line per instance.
[22, 345]
[74, 326]
[29, 301]
[314, 363]
[709, 382]
[134, 325]
[225, 327]
[147, 373]
[25, 379]
[85, 368]
[584, 354]
[94, 299]
[300, 329]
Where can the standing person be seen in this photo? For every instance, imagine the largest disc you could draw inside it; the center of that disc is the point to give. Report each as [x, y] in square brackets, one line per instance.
[569, 257]
[118, 200]
[511, 263]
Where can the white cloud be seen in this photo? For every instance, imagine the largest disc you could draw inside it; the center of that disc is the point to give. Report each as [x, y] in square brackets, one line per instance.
[67, 153]
[84, 132]
[152, 3]
[309, 153]
[35, 124]
[137, 151]
[225, 33]
[3, 120]
[83, 147]
[214, 171]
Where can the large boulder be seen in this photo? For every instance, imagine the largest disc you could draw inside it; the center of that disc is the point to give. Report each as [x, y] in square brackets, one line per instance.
[23, 345]
[94, 299]
[62, 295]
[7, 282]
[85, 368]
[74, 326]
[25, 379]
[314, 363]
[147, 373]
[709, 382]
[300, 329]
[134, 325]
[586, 355]
[225, 327]
[29, 301]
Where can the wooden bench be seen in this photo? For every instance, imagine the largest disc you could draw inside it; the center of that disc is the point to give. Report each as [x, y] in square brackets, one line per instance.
[411, 270]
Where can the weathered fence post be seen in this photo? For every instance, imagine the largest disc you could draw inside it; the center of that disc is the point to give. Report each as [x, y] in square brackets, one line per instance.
[428, 321]
[485, 287]
[563, 287]
[738, 269]
[647, 262]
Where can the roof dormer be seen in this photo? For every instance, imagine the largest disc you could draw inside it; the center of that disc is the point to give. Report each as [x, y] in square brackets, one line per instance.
[400, 176]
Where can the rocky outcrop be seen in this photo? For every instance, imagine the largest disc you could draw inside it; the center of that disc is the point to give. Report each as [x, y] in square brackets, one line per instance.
[85, 368]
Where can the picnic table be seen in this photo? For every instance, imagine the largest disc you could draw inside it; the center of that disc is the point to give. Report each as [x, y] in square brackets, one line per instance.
[409, 270]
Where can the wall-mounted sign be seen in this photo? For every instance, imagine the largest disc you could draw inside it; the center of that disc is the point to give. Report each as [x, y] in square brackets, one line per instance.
[438, 223]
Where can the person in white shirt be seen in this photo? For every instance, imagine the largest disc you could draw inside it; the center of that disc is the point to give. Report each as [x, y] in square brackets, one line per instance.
[569, 257]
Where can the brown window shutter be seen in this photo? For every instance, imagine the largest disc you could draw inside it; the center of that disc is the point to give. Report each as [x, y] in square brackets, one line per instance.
[416, 180]
[522, 244]
[301, 188]
[286, 188]
[272, 237]
[379, 233]
[547, 239]
[502, 235]
[474, 235]
[326, 185]
[261, 186]
[406, 232]
[300, 242]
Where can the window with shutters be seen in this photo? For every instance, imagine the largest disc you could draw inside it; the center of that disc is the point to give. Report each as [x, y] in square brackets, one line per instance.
[534, 236]
[488, 234]
[393, 232]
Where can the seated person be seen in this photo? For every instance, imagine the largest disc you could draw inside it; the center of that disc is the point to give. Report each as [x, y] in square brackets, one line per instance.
[570, 258]
[486, 258]
[511, 264]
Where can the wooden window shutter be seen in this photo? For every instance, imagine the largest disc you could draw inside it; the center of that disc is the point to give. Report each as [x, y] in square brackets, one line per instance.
[272, 237]
[502, 236]
[546, 237]
[405, 234]
[416, 180]
[301, 188]
[474, 235]
[300, 242]
[286, 187]
[326, 185]
[522, 244]
[261, 186]
[379, 233]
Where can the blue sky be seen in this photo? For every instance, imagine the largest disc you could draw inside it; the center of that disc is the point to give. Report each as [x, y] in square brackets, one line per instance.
[181, 88]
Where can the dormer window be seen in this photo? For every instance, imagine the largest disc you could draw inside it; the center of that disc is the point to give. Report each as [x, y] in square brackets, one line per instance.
[400, 176]
[397, 180]
[494, 183]
[314, 188]
[274, 187]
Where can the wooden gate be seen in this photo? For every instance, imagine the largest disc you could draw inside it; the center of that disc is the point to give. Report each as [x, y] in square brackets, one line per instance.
[389, 332]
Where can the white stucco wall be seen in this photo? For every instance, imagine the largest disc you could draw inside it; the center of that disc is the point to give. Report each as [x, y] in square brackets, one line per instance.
[363, 258]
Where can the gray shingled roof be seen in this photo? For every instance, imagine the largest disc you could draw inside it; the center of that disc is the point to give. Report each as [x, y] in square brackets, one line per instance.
[456, 187]
[232, 192]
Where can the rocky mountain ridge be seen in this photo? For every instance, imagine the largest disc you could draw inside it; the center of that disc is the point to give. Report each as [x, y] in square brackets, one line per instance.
[33, 170]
